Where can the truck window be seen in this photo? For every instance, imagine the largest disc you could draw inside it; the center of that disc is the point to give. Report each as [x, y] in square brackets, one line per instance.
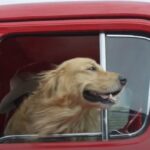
[122, 53]
[129, 55]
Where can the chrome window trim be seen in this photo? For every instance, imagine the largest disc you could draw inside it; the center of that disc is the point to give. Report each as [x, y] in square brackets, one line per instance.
[128, 36]
[104, 113]
[35, 137]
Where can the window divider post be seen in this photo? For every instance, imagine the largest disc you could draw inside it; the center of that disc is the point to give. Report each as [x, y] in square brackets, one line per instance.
[104, 112]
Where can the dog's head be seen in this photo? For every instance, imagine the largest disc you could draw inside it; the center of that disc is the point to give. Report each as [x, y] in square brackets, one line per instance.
[82, 81]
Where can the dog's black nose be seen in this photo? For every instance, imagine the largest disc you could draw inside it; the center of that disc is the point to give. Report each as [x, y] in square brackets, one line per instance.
[122, 80]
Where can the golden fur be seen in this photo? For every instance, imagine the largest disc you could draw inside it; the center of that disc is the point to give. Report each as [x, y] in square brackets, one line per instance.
[58, 105]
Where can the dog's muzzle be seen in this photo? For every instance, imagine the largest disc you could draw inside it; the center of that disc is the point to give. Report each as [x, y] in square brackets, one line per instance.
[104, 98]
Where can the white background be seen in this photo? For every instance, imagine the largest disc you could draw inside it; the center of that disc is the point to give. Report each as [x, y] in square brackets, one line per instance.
[6, 2]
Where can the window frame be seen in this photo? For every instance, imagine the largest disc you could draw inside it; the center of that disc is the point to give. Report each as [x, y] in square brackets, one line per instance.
[104, 134]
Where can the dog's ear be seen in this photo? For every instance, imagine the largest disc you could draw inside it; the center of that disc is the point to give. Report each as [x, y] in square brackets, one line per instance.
[48, 82]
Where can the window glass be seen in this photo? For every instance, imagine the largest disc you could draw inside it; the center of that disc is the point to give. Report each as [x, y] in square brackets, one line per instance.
[129, 55]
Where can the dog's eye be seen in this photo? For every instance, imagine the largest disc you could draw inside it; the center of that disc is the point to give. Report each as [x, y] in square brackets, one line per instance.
[92, 68]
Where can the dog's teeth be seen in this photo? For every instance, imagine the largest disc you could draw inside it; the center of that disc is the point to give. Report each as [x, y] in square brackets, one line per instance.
[112, 98]
[105, 96]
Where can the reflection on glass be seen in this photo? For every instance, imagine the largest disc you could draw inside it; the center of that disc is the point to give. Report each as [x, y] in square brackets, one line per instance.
[129, 55]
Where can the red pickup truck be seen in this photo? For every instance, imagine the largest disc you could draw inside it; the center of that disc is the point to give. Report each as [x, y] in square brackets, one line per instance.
[36, 36]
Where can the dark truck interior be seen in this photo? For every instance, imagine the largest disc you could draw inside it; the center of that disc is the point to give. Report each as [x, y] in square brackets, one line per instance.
[36, 53]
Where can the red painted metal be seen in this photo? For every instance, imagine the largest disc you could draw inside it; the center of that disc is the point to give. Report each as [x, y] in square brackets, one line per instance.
[73, 10]
[74, 17]
[76, 25]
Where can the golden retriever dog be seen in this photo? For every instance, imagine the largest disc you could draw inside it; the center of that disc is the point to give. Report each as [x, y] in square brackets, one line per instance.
[67, 100]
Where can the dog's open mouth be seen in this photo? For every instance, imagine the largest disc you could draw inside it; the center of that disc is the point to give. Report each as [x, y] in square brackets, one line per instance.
[107, 98]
